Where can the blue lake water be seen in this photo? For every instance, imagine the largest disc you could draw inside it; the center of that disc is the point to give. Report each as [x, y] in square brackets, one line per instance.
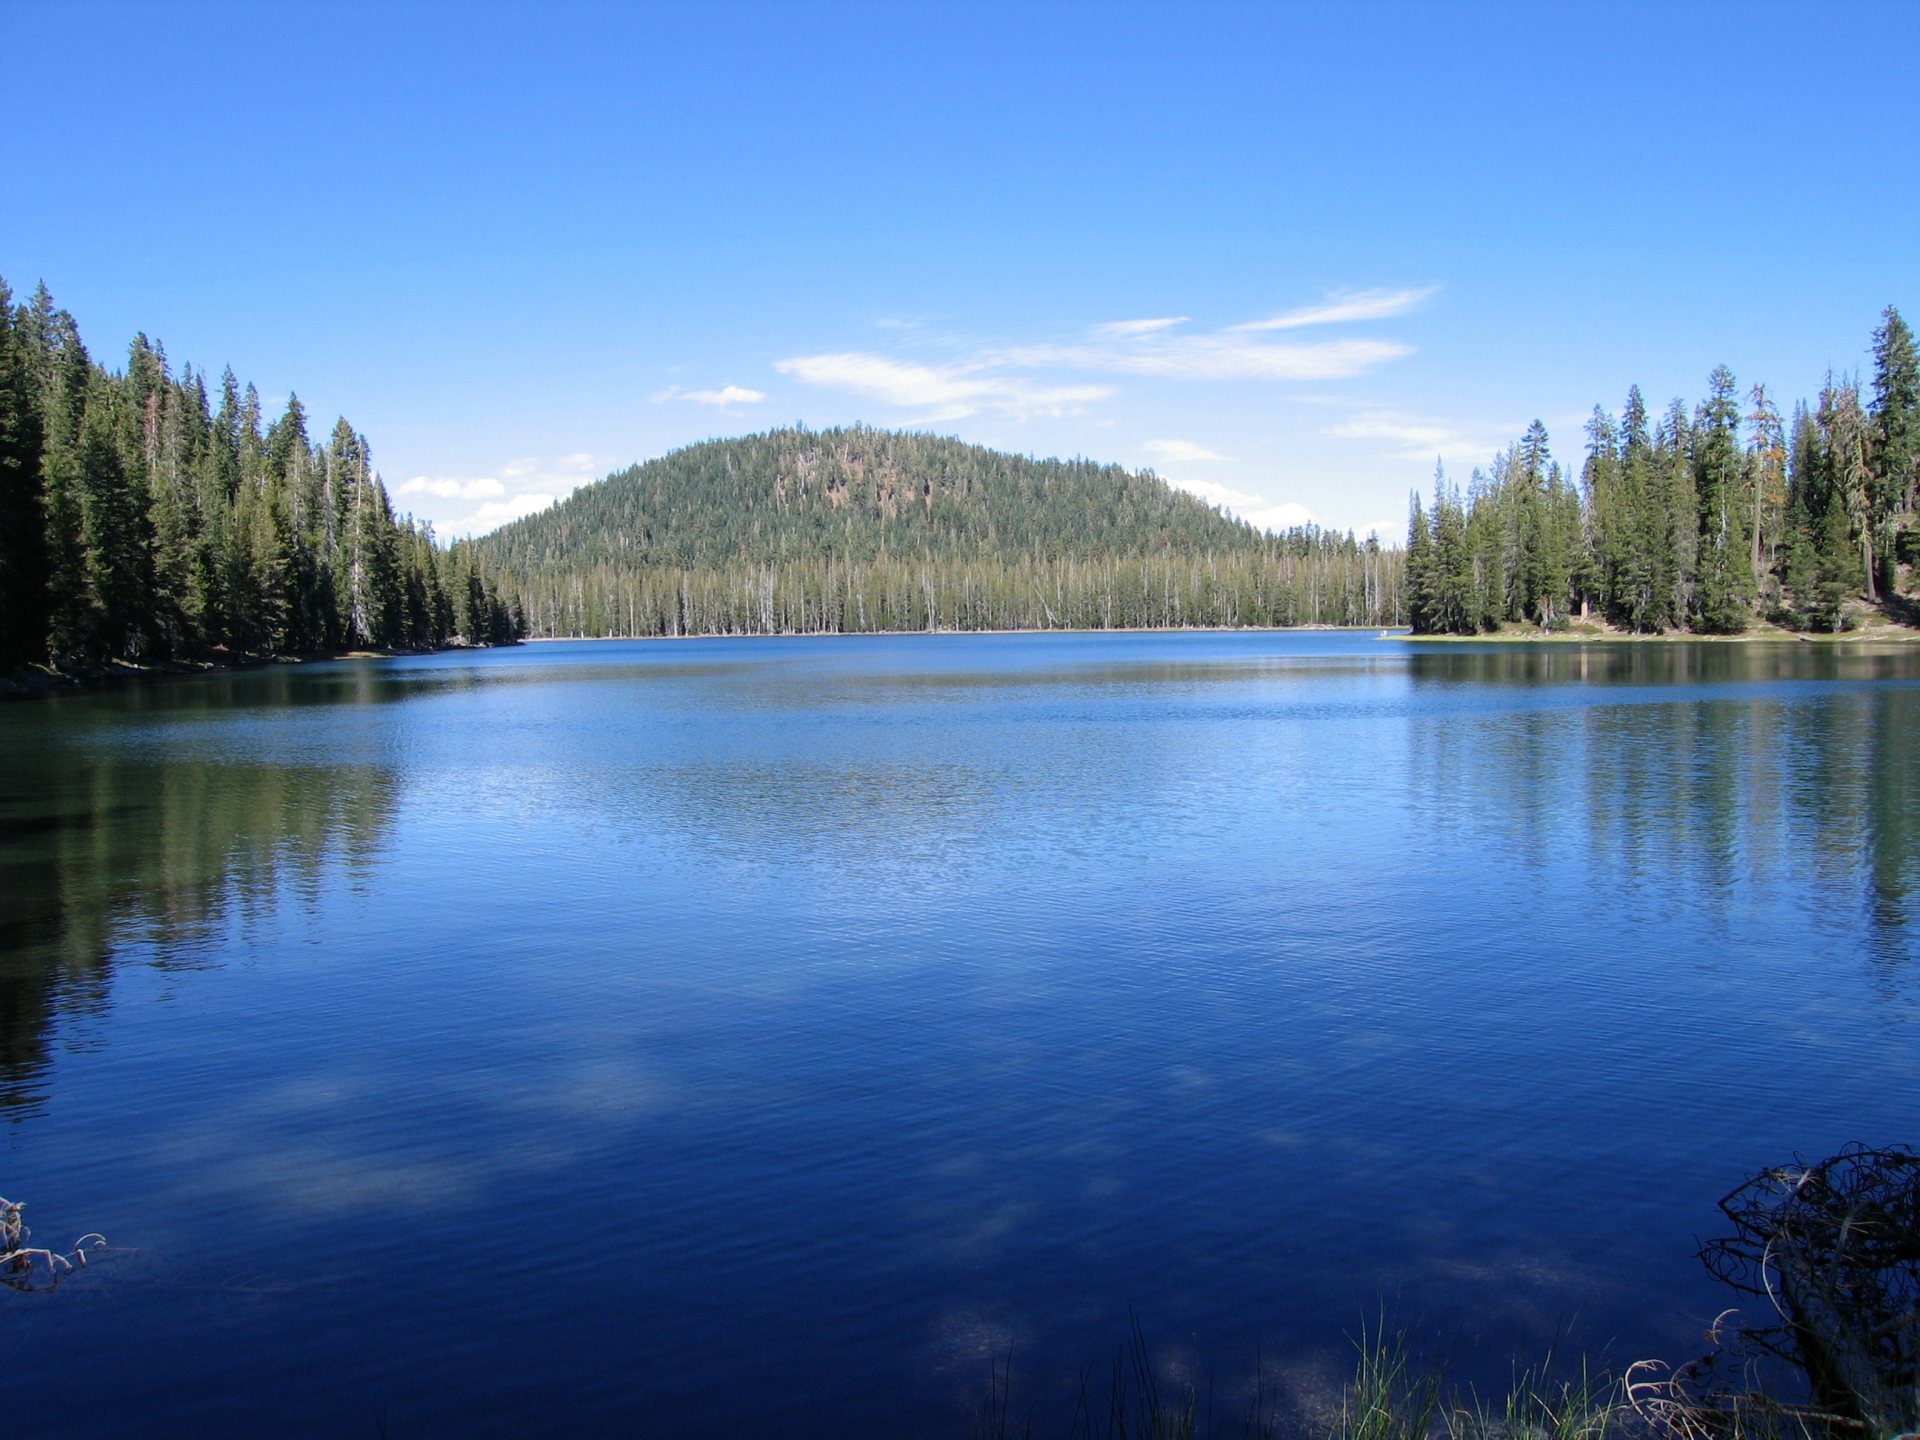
[765, 1036]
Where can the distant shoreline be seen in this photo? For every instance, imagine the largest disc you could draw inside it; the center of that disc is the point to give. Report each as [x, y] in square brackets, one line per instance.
[1759, 634]
[29, 682]
[1391, 631]
[32, 681]
[1518, 636]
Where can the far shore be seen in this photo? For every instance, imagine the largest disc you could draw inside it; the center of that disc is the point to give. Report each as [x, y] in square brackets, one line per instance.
[1509, 635]
[1876, 633]
[32, 680]
[35, 680]
[1389, 632]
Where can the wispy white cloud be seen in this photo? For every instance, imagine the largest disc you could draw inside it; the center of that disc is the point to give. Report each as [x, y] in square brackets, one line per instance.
[495, 513]
[944, 392]
[1019, 379]
[1416, 437]
[1211, 357]
[1119, 329]
[1180, 452]
[725, 397]
[1404, 432]
[449, 487]
[1345, 306]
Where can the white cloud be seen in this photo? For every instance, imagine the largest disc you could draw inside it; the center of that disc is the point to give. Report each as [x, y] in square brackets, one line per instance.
[1415, 437]
[945, 392]
[1120, 329]
[518, 487]
[447, 487]
[1179, 452]
[728, 395]
[1256, 510]
[1405, 433]
[1345, 306]
[496, 513]
[1284, 516]
[1211, 357]
[1008, 379]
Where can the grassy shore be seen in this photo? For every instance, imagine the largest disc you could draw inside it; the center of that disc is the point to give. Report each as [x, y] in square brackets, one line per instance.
[1873, 626]
[1398, 1390]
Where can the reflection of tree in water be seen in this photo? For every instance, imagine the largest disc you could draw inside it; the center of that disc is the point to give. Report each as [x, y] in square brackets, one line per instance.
[1893, 802]
[1708, 768]
[101, 855]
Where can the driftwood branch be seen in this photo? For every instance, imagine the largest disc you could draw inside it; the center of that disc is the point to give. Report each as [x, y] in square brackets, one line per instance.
[1833, 1249]
[30, 1267]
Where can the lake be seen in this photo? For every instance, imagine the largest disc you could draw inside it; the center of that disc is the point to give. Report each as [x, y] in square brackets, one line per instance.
[767, 1036]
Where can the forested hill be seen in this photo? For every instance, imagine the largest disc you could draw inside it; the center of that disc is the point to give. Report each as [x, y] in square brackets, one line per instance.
[863, 529]
[860, 494]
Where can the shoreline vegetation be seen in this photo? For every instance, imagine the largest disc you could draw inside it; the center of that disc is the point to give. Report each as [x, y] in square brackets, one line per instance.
[1711, 521]
[1864, 631]
[147, 529]
[150, 520]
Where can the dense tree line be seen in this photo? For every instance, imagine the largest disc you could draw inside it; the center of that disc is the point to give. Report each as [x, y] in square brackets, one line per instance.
[851, 530]
[1700, 520]
[144, 514]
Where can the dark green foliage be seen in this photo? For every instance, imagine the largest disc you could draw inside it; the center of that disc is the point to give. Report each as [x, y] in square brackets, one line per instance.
[1422, 581]
[1723, 588]
[1766, 487]
[135, 521]
[1675, 522]
[116, 614]
[1455, 610]
[23, 537]
[865, 530]
[1896, 435]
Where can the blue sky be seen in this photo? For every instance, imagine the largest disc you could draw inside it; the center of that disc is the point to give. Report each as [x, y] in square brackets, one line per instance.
[1286, 255]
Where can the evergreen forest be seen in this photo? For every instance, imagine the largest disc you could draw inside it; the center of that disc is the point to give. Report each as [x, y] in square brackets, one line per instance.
[1705, 520]
[151, 516]
[859, 529]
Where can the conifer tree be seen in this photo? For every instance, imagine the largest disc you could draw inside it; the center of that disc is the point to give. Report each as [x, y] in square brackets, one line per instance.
[1849, 475]
[1896, 434]
[1642, 515]
[23, 526]
[1453, 563]
[1766, 482]
[1722, 592]
[136, 520]
[1420, 569]
[115, 537]
[1607, 532]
